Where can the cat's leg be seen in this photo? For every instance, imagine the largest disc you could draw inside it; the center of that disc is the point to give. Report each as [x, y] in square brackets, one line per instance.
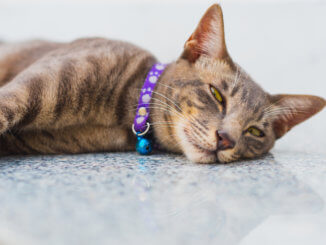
[23, 103]
[74, 139]
[45, 98]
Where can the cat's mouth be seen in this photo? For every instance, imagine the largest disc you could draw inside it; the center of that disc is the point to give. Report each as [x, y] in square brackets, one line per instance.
[202, 149]
[199, 147]
[218, 155]
[199, 153]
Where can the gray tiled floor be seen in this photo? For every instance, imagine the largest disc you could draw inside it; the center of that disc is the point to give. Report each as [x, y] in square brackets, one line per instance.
[161, 199]
[164, 199]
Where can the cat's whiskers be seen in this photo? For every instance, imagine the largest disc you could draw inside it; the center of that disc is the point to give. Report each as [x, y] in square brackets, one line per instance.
[180, 116]
[200, 137]
[166, 109]
[288, 108]
[274, 105]
[162, 126]
[177, 110]
[274, 112]
[195, 133]
[170, 109]
[163, 123]
[168, 86]
[162, 95]
[182, 119]
[180, 112]
[173, 102]
[236, 79]
[166, 104]
[191, 118]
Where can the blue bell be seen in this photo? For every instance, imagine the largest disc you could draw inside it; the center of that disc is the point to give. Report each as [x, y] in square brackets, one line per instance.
[144, 146]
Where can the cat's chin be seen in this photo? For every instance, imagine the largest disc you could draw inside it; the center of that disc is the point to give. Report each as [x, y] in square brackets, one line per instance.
[200, 154]
[194, 152]
[197, 155]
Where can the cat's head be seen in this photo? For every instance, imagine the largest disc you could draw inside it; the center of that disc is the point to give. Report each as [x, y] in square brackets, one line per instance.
[210, 109]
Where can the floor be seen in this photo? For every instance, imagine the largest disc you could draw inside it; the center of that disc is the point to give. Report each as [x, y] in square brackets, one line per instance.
[115, 198]
[162, 199]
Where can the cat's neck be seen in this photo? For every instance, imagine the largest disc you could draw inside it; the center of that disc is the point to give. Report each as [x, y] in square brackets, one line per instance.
[162, 109]
[127, 101]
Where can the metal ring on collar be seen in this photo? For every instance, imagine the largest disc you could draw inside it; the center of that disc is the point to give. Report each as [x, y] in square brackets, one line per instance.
[143, 133]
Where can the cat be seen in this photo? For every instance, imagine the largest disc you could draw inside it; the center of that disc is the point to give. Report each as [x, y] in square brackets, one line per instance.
[81, 97]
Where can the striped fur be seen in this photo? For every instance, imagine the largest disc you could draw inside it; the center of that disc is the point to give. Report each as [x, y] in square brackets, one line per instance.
[69, 98]
[81, 97]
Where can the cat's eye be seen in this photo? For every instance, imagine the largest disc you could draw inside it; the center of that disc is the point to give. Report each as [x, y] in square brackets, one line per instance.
[255, 132]
[216, 94]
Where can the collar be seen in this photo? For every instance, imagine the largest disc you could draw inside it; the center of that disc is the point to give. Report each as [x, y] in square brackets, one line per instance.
[141, 125]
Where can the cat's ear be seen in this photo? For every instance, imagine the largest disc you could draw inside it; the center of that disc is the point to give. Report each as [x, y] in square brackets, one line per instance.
[290, 110]
[208, 38]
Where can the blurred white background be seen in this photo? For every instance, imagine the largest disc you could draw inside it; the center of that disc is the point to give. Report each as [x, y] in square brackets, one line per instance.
[281, 43]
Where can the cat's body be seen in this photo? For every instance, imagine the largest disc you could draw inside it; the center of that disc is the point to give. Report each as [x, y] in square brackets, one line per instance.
[81, 97]
[69, 98]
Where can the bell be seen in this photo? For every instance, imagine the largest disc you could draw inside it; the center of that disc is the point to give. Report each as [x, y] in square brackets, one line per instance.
[144, 146]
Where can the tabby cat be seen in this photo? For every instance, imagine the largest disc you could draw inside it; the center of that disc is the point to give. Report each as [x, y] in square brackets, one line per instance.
[81, 97]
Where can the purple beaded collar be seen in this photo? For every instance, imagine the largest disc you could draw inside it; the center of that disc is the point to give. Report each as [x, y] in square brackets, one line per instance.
[140, 121]
[141, 126]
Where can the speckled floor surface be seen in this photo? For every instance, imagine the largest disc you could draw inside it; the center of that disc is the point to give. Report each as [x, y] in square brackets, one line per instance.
[162, 199]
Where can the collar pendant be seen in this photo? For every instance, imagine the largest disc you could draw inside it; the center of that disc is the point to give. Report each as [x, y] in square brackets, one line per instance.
[141, 125]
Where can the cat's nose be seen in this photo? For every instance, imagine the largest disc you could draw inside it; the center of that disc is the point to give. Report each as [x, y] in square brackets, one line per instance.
[224, 141]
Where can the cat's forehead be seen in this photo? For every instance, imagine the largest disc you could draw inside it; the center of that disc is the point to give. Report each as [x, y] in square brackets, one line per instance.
[234, 83]
[212, 69]
[215, 71]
